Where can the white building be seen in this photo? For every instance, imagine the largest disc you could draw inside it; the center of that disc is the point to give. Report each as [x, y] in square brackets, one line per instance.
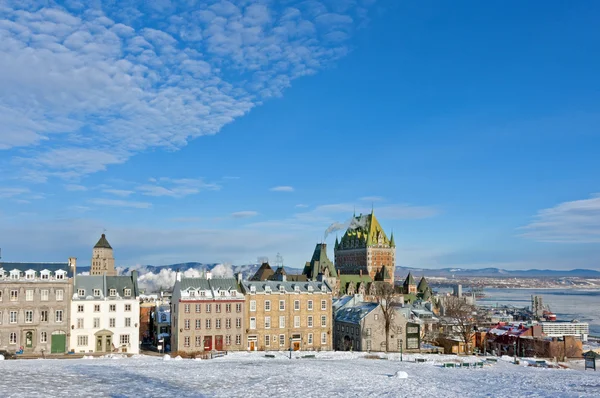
[105, 314]
[580, 330]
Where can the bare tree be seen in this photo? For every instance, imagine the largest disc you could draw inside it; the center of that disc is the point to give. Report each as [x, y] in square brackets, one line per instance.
[460, 319]
[385, 294]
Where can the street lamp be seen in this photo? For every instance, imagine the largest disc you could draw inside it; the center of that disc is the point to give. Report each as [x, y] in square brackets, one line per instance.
[290, 347]
[515, 350]
[400, 350]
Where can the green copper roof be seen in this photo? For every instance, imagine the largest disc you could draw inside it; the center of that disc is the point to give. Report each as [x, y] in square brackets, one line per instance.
[319, 263]
[102, 243]
[423, 285]
[409, 280]
[364, 230]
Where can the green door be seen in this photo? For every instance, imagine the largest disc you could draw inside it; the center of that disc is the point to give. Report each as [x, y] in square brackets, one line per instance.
[58, 344]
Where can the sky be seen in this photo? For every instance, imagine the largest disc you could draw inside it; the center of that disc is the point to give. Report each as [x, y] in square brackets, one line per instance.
[224, 131]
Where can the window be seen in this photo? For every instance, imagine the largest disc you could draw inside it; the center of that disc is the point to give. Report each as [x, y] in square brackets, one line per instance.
[198, 323]
[252, 289]
[0, 295]
[368, 331]
[112, 308]
[13, 317]
[127, 322]
[376, 317]
[59, 295]
[282, 340]
[112, 292]
[297, 321]
[13, 338]
[267, 340]
[192, 293]
[97, 292]
[198, 341]
[14, 295]
[227, 307]
[252, 323]
[238, 339]
[310, 338]
[281, 289]
[368, 345]
[309, 321]
[127, 307]
[323, 305]
[80, 308]
[281, 305]
[323, 321]
[309, 305]
[186, 341]
[58, 316]
[228, 323]
[267, 322]
[207, 308]
[252, 305]
[82, 341]
[217, 307]
[44, 316]
[45, 275]
[282, 322]
[186, 324]
[96, 323]
[81, 292]
[29, 316]
[79, 323]
[127, 292]
[268, 305]
[43, 337]
[217, 323]
[124, 339]
[96, 307]
[228, 339]
[238, 322]
[186, 308]
[44, 295]
[198, 308]
[208, 323]
[323, 338]
[29, 295]
[296, 305]
[112, 322]
[238, 307]
[60, 275]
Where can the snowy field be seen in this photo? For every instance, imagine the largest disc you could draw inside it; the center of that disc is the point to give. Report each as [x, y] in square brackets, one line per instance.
[253, 375]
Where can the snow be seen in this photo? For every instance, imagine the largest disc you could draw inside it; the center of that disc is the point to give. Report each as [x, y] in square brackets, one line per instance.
[335, 374]
[1, 357]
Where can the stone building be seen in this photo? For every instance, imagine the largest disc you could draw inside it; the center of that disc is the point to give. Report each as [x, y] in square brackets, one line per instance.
[105, 314]
[103, 261]
[365, 247]
[207, 314]
[288, 314]
[34, 306]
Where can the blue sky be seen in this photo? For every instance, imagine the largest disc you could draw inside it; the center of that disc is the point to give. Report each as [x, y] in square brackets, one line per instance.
[219, 131]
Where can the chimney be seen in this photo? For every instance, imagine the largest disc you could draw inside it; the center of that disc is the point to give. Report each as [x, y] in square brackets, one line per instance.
[73, 267]
[239, 277]
[208, 275]
[178, 276]
[134, 275]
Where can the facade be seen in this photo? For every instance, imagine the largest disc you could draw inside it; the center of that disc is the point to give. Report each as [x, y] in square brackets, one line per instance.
[409, 286]
[148, 305]
[207, 314]
[34, 307]
[105, 314]
[162, 325]
[103, 261]
[288, 314]
[365, 247]
[580, 330]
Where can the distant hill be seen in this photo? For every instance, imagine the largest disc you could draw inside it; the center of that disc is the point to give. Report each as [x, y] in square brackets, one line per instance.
[498, 273]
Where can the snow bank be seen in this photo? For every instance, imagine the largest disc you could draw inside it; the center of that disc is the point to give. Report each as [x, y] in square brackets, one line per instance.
[401, 375]
[166, 357]
[177, 358]
[1, 357]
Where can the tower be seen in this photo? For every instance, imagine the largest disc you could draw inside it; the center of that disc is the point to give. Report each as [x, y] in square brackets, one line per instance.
[365, 247]
[103, 261]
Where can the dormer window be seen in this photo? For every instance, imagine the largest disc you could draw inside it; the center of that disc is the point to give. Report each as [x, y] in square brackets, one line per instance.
[202, 293]
[112, 292]
[252, 289]
[192, 293]
[323, 289]
[97, 292]
[297, 289]
[223, 293]
[15, 274]
[30, 274]
[45, 274]
[233, 293]
[60, 275]
[310, 288]
[81, 292]
[281, 289]
[127, 292]
[267, 289]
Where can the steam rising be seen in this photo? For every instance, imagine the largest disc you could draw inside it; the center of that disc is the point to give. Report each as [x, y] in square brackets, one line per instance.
[352, 223]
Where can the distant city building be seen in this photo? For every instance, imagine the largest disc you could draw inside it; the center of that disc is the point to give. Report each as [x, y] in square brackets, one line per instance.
[105, 314]
[366, 248]
[103, 261]
[581, 330]
[34, 306]
[409, 286]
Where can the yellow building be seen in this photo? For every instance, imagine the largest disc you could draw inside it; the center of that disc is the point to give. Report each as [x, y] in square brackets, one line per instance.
[282, 314]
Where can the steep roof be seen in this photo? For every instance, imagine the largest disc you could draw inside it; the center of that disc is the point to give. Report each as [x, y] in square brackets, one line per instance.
[409, 280]
[103, 243]
[319, 263]
[423, 285]
[264, 272]
[365, 230]
[355, 313]
[37, 267]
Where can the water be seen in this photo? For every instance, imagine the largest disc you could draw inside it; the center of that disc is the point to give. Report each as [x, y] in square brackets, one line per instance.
[567, 304]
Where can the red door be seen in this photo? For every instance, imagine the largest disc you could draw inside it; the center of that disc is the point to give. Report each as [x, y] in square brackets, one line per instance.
[207, 343]
[219, 343]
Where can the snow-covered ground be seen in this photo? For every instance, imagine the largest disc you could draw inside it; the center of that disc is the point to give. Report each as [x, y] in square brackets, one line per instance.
[254, 375]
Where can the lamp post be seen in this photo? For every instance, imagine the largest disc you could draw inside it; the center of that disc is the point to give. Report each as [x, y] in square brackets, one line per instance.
[290, 347]
[515, 350]
[401, 344]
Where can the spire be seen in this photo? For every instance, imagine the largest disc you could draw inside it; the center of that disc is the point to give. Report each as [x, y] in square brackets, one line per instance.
[392, 243]
[103, 243]
[337, 243]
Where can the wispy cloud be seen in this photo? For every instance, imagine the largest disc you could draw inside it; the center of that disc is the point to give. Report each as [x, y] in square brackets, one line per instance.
[176, 188]
[121, 203]
[301, 206]
[569, 222]
[75, 187]
[282, 188]
[118, 192]
[12, 192]
[244, 214]
[372, 199]
[88, 85]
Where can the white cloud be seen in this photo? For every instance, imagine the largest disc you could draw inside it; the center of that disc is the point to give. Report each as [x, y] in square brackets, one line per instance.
[244, 214]
[282, 188]
[6, 192]
[87, 88]
[301, 206]
[118, 192]
[569, 222]
[176, 187]
[121, 203]
[75, 187]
